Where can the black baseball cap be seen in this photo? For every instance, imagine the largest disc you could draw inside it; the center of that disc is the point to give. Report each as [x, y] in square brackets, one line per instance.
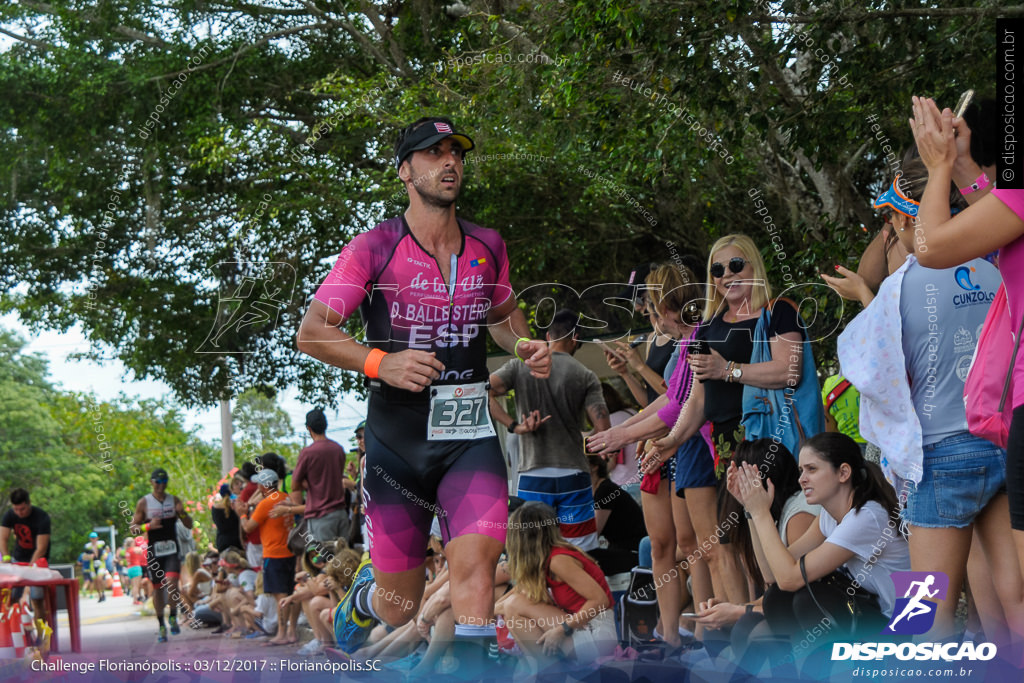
[426, 132]
[159, 473]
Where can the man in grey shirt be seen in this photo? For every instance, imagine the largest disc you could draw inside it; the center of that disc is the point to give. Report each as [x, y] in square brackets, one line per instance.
[552, 462]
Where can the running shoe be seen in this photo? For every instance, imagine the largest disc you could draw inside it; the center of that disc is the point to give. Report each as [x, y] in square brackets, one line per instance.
[175, 630]
[350, 629]
[162, 638]
[312, 648]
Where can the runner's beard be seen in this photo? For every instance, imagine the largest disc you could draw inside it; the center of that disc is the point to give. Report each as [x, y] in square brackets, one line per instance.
[435, 199]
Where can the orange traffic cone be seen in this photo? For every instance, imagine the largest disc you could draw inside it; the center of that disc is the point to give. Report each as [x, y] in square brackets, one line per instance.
[6, 643]
[17, 635]
[26, 627]
[118, 591]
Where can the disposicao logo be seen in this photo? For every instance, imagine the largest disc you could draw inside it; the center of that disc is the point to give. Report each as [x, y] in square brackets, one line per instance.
[914, 613]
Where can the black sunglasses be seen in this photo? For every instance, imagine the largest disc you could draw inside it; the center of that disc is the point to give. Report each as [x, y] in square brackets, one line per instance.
[736, 265]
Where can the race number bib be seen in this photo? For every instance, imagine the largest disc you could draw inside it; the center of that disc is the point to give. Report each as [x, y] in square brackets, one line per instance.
[458, 412]
[162, 548]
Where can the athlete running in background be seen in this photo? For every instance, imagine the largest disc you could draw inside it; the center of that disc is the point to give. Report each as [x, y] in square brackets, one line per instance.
[96, 556]
[156, 515]
[427, 286]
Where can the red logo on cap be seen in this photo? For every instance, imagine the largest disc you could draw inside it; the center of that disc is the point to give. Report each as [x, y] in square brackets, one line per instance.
[443, 128]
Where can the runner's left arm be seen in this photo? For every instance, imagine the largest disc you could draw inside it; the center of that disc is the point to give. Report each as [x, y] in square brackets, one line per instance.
[508, 325]
[179, 509]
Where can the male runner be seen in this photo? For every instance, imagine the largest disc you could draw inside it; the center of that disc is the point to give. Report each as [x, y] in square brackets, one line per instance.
[162, 510]
[427, 285]
[96, 556]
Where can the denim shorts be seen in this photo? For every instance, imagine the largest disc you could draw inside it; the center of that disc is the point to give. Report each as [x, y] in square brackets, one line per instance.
[962, 473]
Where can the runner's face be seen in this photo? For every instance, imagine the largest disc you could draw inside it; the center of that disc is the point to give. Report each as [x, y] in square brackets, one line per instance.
[23, 510]
[436, 173]
[159, 485]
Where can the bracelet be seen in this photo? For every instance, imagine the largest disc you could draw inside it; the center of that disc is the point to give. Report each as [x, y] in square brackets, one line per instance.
[747, 515]
[728, 371]
[515, 349]
[145, 528]
[372, 363]
[566, 628]
[750, 608]
[980, 184]
[512, 427]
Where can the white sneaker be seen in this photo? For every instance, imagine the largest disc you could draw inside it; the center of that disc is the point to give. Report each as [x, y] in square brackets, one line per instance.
[312, 648]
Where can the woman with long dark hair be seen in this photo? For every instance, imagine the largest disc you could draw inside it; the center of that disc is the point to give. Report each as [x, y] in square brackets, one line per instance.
[852, 550]
[792, 513]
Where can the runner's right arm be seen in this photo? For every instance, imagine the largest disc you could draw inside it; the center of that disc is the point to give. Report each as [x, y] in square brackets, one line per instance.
[138, 518]
[320, 336]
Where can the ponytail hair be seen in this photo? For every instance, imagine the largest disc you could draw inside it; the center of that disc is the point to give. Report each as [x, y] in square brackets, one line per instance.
[866, 477]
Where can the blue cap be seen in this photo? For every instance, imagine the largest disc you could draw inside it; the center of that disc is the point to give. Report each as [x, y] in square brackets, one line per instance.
[94, 535]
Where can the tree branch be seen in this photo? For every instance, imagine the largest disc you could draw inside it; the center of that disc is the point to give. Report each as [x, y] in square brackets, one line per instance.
[25, 39]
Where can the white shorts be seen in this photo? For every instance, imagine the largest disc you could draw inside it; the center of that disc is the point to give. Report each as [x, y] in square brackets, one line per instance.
[597, 639]
[254, 556]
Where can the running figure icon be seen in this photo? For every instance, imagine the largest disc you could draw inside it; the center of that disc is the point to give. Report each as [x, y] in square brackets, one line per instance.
[916, 606]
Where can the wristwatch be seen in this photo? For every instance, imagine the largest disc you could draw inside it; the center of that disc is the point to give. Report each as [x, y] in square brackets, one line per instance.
[512, 427]
[567, 629]
[735, 373]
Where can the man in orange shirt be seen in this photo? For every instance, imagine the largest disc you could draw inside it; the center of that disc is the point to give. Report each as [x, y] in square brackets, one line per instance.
[278, 561]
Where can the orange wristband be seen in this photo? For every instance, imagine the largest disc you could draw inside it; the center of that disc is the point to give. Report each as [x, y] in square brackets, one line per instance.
[372, 363]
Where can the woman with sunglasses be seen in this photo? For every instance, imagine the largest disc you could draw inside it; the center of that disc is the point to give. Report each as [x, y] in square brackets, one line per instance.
[923, 326]
[737, 290]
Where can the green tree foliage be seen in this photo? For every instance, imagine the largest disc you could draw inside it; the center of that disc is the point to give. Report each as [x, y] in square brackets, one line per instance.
[262, 426]
[86, 461]
[181, 176]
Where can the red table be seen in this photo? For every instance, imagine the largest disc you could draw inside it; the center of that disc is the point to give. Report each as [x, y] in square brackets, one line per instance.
[71, 598]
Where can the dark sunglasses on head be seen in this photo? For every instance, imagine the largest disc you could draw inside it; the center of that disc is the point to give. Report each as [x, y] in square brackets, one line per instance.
[736, 265]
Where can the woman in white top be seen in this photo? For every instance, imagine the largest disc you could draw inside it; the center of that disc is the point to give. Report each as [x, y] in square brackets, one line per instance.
[857, 534]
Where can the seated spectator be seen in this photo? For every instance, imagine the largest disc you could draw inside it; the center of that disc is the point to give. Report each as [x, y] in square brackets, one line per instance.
[260, 618]
[196, 581]
[620, 521]
[312, 595]
[857, 532]
[561, 605]
[790, 510]
[234, 586]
